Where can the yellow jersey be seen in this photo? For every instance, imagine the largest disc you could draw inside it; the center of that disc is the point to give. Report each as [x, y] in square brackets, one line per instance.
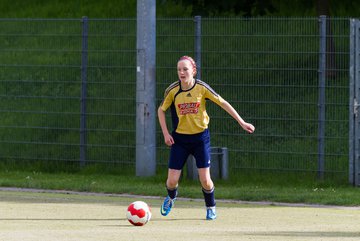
[188, 107]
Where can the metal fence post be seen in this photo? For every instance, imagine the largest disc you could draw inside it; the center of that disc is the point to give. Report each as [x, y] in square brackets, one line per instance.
[354, 94]
[356, 104]
[321, 103]
[146, 88]
[352, 100]
[190, 164]
[198, 45]
[84, 60]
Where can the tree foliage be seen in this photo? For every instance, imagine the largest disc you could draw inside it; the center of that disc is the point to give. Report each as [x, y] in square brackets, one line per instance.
[279, 8]
[178, 8]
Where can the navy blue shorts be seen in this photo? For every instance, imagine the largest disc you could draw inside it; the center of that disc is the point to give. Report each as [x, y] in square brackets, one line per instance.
[197, 145]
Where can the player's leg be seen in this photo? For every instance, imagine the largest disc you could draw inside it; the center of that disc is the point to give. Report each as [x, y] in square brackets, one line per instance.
[178, 156]
[172, 182]
[202, 156]
[171, 187]
[208, 190]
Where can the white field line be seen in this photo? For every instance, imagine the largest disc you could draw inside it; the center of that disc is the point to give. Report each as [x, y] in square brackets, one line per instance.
[263, 203]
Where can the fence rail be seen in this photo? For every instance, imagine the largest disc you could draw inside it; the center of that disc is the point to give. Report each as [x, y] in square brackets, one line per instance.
[68, 90]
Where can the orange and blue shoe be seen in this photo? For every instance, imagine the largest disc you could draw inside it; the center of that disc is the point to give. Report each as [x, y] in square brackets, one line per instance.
[210, 213]
[167, 205]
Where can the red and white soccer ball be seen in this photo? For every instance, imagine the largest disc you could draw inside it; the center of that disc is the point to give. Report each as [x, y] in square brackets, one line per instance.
[138, 213]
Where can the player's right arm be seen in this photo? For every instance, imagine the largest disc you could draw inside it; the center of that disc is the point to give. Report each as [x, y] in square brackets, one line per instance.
[165, 104]
[162, 120]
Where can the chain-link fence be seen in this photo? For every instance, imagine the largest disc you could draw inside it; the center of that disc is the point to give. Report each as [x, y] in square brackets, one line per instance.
[68, 90]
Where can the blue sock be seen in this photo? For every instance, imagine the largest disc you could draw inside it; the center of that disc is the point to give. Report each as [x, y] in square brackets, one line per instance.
[172, 192]
[209, 196]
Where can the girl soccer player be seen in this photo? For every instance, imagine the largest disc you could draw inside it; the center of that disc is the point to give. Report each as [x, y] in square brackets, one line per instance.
[186, 99]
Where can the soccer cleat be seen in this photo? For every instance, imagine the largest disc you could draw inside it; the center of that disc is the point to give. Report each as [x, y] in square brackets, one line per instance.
[210, 213]
[167, 205]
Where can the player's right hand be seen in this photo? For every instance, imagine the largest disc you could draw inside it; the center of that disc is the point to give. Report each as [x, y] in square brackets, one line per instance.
[169, 140]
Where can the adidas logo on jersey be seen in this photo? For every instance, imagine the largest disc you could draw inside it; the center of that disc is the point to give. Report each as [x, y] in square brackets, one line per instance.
[188, 95]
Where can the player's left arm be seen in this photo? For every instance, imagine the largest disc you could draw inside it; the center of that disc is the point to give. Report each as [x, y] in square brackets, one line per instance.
[229, 109]
[216, 98]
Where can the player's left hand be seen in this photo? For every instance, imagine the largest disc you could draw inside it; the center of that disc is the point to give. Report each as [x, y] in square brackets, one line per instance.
[248, 127]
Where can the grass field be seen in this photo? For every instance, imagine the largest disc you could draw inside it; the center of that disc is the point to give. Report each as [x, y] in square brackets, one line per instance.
[33, 215]
[250, 187]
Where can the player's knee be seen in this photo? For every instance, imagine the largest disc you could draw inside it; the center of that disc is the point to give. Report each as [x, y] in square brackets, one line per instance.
[207, 184]
[171, 183]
